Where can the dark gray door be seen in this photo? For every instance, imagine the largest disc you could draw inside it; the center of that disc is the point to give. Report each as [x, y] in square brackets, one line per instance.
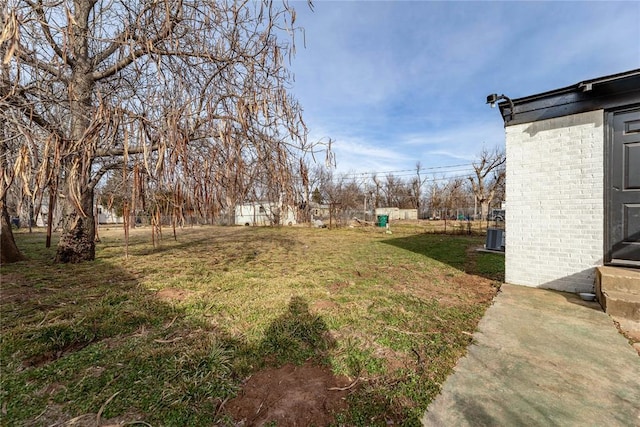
[624, 189]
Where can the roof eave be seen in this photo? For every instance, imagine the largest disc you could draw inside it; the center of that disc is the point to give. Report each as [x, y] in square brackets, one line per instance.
[601, 93]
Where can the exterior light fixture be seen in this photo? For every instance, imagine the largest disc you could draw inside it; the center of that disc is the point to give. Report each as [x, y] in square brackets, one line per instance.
[494, 98]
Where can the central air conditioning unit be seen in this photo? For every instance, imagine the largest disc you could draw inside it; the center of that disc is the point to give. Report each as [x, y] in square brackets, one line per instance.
[495, 239]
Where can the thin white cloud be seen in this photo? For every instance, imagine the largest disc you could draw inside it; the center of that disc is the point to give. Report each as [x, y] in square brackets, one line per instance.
[394, 83]
[456, 155]
[357, 154]
[464, 135]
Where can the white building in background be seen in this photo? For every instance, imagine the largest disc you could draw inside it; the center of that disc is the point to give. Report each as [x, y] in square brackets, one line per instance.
[397, 213]
[108, 216]
[264, 213]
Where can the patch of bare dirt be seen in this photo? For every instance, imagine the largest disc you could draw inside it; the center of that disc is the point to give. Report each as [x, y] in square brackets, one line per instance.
[173, 295]
[290, 396]
[449, 288]
[394, 360]
[50, 356]
[338, 286]
[51, 389]
[323, 305]
[12, 279]
[483, 289]
[15, 289]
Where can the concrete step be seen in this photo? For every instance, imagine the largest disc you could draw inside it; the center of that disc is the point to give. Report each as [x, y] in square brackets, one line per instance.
[618, 279]
[621, 304]
[618, 291]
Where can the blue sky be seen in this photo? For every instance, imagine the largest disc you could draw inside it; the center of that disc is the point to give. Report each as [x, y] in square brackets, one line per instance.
[394, 83]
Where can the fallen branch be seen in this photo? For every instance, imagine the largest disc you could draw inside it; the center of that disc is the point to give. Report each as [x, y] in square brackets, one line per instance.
[400, 331]
[168, 341]
[344, 388]
[104, 405]
[171, 323]
[417, 355]
[73, 421]
[221, 406]
[363, 222]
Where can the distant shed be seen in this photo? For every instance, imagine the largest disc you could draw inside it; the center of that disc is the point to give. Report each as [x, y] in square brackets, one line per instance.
[397, 213]
[264, 213]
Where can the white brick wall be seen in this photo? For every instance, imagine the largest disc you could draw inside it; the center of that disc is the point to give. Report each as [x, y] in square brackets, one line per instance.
[555, 214]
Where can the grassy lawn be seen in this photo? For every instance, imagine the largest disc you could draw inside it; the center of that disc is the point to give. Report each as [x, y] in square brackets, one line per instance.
[169, 334]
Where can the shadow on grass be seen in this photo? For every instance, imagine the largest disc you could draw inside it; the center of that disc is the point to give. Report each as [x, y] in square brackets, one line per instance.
[244, 237]
[86, 339]
[455, 251]
[83, 339]
[114, 345]
[297, 335]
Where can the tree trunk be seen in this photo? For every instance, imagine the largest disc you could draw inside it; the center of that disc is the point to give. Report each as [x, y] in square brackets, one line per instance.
[9, 251]
[77, 243]
[484, 209]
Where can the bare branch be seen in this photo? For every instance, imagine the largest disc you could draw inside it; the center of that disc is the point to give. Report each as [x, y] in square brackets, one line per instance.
[46, 30]
[189, 98]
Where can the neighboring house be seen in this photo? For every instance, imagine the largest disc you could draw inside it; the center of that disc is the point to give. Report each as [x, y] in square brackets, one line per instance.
[264, 213]
[397, 213]
[319, 211]
[573, 182]
[408, 214]
[108, 216]
[105, 216]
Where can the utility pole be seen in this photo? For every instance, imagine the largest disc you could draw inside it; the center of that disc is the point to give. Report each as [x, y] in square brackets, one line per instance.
[364, 214]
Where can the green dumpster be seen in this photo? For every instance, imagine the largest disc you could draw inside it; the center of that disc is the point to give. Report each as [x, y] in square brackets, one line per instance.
[383, 220]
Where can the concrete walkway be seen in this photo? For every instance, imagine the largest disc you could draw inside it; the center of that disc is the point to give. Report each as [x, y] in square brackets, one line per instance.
[542, 358]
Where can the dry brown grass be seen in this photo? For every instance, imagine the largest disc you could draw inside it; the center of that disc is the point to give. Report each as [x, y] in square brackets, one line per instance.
[393, 310]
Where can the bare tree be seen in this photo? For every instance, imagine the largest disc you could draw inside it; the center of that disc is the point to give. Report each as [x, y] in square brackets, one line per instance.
[171, 87]
[321, 179]
[446, 196]
[434, 199]
[9, 251]
[489, 177]
[392, 190]
[376, 190]
[403, 194]
[453, 196]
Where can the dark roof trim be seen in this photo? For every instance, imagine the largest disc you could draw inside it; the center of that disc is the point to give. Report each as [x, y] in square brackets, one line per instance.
[608, 92]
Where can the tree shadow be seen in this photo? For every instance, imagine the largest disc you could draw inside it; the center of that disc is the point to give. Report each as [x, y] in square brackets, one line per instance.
[455, 251]
[297, 387]
[450, 250]
[75, 336]
[161, 357]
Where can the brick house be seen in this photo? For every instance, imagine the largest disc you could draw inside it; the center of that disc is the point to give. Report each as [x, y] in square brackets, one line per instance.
[573, 182]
